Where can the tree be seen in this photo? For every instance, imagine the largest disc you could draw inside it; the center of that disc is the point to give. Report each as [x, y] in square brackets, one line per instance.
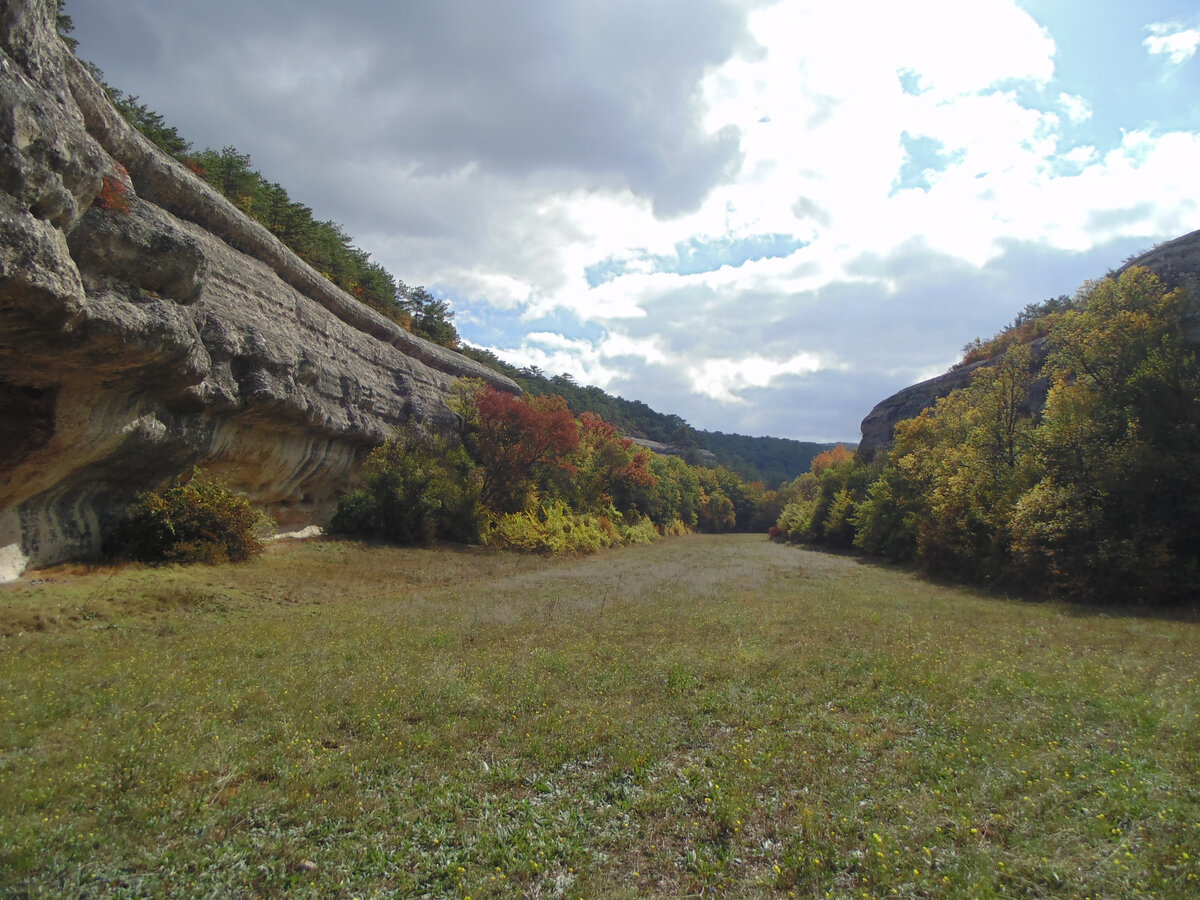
[64, 25]
[1115, 511]
[946, 490]
[675, 496]
[150, 123]
[514, 440]
[1100, 499]
[429, 316]
[416, 487]
[607, 469]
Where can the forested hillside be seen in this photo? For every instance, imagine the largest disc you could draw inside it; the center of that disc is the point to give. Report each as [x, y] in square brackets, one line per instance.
[770, 460]
[1095, 495]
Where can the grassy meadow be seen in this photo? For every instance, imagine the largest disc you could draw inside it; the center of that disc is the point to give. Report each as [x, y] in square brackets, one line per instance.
[708, 714]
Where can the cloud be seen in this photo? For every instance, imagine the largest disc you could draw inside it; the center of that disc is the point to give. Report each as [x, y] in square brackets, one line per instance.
[1172, 40]
[762, 216]
[725, 379]
[603, 89]
[1077, 108]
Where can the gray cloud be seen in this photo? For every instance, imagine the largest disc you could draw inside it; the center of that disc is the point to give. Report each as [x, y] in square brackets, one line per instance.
[603, 89]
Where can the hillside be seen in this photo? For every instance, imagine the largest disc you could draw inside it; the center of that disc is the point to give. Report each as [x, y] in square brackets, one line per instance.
[770, 460]
[1067, 463]
[1175, 262]
[150, 325]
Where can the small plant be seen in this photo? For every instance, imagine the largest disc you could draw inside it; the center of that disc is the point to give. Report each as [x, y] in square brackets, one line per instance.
[195, 521]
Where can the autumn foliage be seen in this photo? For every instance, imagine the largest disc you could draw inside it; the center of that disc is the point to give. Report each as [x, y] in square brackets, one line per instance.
[831, 458]
[524, 473]
[518, 442]
[1091, 495]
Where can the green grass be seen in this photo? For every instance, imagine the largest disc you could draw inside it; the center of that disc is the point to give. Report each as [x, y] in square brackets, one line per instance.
[706, 714]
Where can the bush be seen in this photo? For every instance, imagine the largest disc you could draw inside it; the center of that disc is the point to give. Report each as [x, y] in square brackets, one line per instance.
[552, 528]
[197, 521]
[418, 487]
[635, 529]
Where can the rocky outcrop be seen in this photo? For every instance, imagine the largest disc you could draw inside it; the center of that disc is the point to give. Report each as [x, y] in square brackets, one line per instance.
[1176, 262]
[699, 453]
[877, 428]
[147, 326]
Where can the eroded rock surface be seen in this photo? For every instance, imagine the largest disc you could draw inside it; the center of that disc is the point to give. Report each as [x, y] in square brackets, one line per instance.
[147, 325]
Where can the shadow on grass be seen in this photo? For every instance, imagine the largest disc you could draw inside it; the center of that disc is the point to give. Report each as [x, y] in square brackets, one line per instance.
[1013, 593]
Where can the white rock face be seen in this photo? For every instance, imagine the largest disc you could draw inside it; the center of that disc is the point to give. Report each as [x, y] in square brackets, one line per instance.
[137, 343]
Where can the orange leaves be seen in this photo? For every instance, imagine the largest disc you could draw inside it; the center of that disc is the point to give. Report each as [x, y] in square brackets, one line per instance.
[834, 458]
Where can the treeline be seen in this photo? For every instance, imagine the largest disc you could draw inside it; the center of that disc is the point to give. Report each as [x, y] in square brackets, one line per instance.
[773, 461]
[768, 459]
[525, 473]
[1031, 323]
[1095, 496]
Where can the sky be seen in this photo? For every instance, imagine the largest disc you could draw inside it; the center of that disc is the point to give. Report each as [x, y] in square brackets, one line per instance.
[764, 217]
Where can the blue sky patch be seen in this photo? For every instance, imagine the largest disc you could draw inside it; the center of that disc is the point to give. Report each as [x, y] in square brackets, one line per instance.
[910, 82]
[698, 255]
[485, 325]
[922, 154]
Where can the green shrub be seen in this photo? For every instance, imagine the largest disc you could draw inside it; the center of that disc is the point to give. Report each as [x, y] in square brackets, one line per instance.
[634, 528]
[418, 487]
[197, 521]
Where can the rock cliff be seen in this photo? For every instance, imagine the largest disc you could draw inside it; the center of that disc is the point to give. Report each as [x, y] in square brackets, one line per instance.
[1176, 262]
[147, 326]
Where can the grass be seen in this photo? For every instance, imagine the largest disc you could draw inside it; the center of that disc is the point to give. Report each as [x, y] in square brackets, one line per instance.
[703, 715]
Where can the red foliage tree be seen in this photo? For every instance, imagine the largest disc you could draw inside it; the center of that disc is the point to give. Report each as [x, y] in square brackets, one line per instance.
[514, 438]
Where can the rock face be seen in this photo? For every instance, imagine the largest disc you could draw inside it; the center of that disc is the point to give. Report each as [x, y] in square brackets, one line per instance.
[675, 449]
[147, 325]
[877, 428]
[1176, 262]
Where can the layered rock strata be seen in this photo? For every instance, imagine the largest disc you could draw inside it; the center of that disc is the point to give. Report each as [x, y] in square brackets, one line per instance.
[148, 326]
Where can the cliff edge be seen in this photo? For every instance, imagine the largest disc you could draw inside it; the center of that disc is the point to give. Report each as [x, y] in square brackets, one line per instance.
[147, 325]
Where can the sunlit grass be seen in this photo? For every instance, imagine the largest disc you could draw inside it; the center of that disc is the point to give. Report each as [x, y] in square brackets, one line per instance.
[704, 713]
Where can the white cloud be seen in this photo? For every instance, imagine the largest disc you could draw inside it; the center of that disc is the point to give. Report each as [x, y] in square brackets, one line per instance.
[723, 379]
[1172, 40]
[1077, 108]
